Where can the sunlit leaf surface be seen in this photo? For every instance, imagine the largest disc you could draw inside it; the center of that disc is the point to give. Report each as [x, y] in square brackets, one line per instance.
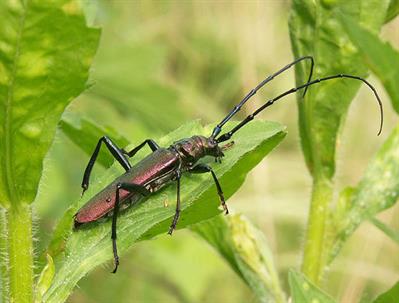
[45, 54]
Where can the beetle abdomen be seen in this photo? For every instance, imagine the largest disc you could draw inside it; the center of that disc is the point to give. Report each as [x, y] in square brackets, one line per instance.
[161, 164]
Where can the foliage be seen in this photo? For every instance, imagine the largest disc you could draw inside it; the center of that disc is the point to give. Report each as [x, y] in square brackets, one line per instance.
[380, 57]
[45, 54]
[315, 29]
[390, 232]
[90, 247]
[393, 10]
[377, 191]
[389, 296]
[246, 250]
[143, 86]
[303, 290]
[57, 40]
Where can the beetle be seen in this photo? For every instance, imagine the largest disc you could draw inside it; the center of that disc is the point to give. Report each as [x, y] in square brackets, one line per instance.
[166, 165]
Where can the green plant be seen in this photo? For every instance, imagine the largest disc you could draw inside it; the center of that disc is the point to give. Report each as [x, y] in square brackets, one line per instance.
[55, 37]
[57, 40]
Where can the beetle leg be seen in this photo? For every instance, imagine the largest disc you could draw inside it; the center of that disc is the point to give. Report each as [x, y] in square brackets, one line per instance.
[151, 143]
[130, 187]
[115, 151]
[177, 213]
[203, 168]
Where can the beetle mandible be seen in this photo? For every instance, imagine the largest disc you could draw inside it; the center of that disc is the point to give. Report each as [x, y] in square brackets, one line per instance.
[165, 165]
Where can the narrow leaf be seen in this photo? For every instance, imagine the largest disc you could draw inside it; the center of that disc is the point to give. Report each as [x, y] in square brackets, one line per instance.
[391, 296]
[304, 291]
[245, 248]
[390, 232]
[379, 56]
[91, 246]
[45, 53]
[378, 190]
[393, 10]
[315, 30]
[45, 279]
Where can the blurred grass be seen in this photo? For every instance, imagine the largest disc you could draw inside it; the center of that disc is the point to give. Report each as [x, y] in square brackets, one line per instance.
[163, 63]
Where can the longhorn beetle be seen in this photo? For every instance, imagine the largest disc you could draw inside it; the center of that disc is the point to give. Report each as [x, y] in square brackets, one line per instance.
[165, 165]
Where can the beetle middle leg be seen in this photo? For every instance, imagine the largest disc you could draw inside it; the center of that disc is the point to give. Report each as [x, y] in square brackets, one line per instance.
[177, 213]
[203, 168]
[130, 187]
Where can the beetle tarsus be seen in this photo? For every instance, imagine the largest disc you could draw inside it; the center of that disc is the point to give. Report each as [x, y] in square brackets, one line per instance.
[226, 210]
[177, 213]
[116, 262]
[174, 223]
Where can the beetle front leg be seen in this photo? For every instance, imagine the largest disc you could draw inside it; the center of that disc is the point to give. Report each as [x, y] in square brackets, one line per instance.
[115, 151]
[203, 168]
[130, 187]
[177, 213]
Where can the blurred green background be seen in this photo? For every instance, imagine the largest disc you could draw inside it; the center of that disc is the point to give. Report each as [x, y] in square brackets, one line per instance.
[161, 64]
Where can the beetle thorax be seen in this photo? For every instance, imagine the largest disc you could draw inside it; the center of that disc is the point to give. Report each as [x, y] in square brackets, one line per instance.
[194, 148]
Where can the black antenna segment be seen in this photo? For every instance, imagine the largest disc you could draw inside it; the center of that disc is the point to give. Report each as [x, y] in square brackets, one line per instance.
[227, 136]
[218, 128]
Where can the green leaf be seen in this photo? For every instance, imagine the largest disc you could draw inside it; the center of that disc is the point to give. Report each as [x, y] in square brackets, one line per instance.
[390, 232]
[3, 252]
[304, 291]
[91, 246]
[45, 53]
[377, 191]
[86, 134]
[245, 248]
[45, 279]
[315, 30]
[57, 244]
[379, 56]
[390, 296]
[393, 10]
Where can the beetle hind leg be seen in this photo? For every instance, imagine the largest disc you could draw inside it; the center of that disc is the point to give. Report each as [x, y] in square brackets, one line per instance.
[130, 187]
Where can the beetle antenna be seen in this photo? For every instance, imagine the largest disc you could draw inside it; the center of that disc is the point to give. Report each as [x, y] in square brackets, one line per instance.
[218, 128]
[227, 136]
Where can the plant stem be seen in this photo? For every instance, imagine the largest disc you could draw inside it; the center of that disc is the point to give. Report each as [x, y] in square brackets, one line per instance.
[313, 259]
[20, 254]
[4, 258]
